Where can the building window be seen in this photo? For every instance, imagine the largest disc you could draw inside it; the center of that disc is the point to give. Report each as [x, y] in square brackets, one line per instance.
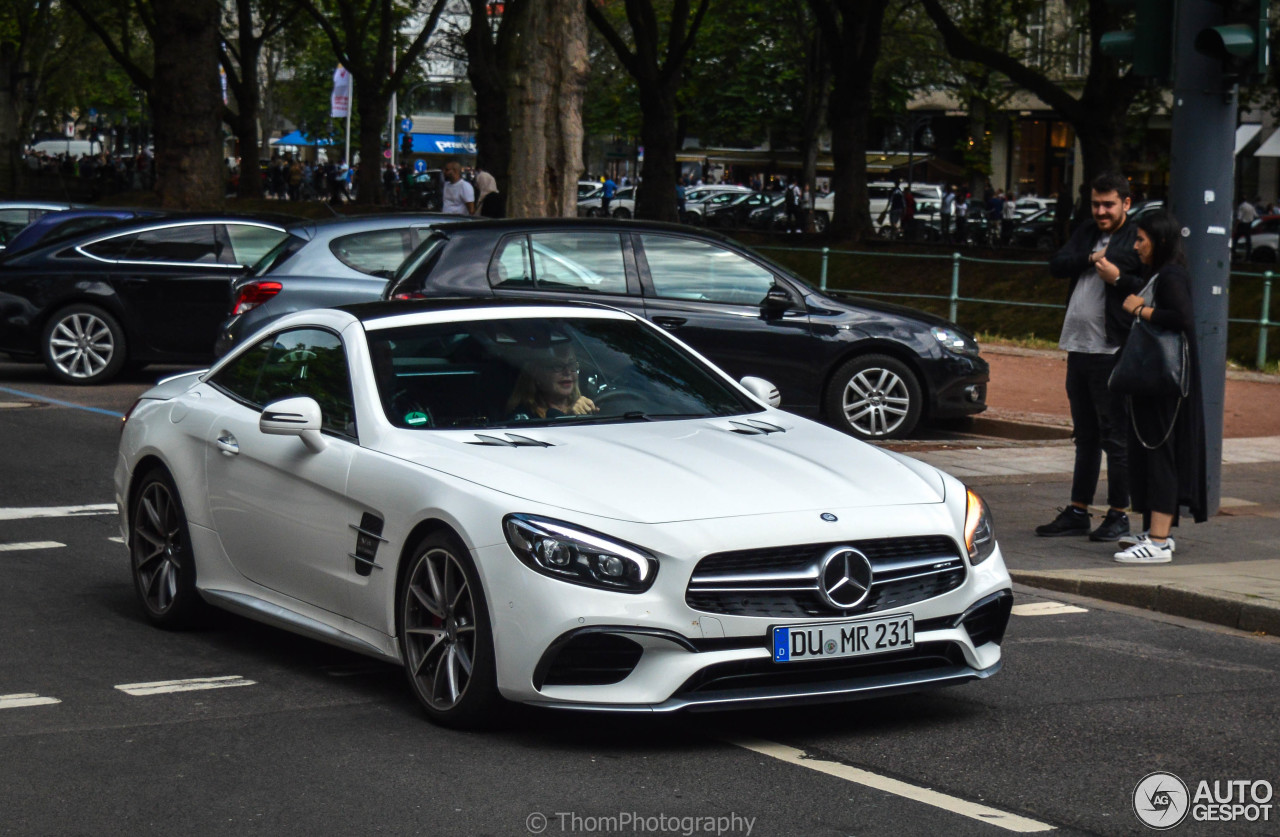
[1036, 37]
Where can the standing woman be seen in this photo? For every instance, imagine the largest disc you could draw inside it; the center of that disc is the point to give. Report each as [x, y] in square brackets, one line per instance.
[1166, 434]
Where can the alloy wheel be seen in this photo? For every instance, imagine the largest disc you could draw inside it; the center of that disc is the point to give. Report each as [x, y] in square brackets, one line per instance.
[876, 402]
[440, 629]
[159, 547]
[82, 345]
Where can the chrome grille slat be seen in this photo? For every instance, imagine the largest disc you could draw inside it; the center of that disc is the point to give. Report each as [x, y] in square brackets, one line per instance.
[781, 582]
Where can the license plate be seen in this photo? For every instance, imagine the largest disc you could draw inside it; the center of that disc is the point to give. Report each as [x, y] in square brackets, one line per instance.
[843, 639]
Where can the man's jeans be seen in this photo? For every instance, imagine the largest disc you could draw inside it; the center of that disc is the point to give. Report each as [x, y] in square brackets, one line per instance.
[1101, 423]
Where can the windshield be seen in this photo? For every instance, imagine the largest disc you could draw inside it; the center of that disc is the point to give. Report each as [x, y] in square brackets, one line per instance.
[278, 255]
[541, 372]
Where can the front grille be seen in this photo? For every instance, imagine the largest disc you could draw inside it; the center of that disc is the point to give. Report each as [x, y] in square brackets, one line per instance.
[589, 659]
[782, 582]
[986, 622]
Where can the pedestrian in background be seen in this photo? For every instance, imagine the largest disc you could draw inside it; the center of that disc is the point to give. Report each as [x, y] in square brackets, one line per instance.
[1246, 214]
[1166, 434]
[1104, 270]
[458, 197]
[486, 193]
[606, 196]
[1009, 215]
[948, 212]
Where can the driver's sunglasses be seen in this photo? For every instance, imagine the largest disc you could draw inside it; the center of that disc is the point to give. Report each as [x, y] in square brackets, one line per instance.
[569, 367]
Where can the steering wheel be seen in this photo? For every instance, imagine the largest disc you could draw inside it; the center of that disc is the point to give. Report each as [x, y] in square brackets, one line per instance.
[616, 395]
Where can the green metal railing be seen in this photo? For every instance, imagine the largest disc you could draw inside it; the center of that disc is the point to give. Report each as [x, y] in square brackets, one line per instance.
[954, 298]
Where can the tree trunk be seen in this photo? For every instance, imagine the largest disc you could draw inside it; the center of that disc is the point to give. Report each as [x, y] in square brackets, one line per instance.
[373, 118]
[246, 126]
[549, 78]
[487, 68]
[10, 139]
[656, 197]
[187, 109]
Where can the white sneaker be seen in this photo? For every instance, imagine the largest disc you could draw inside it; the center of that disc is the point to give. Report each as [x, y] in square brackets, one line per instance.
[1147, 552]
[1127, 541]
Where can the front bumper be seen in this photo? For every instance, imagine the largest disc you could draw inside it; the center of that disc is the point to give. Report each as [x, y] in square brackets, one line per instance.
[562, 645]
[959, 386]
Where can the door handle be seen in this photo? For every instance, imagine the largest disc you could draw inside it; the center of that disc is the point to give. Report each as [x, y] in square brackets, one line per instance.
[227, 444]
[670, 322]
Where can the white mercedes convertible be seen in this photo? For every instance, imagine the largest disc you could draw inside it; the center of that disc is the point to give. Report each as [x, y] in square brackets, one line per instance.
[552, 504]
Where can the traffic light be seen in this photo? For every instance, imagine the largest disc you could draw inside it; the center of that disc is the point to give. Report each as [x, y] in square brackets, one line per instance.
[1241, 41]
[1149, 44]
[406, 144]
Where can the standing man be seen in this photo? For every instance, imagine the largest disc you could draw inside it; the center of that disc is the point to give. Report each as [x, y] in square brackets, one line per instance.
[897, 205]
[458, 196]
[1104, 269]
[1246, 214]
[606, 197]
[948, 211]
[486, 187]
[1009, 218]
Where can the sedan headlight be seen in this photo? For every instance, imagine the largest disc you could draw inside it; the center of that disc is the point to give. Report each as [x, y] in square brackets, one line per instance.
[954, 341]
[579, 556]
[979, 533]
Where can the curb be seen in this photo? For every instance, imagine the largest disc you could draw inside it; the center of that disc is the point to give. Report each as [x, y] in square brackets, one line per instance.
[1242, 613]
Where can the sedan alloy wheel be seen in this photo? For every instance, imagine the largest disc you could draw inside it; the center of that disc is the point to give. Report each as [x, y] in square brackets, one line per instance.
[84, 345]
[875, 397]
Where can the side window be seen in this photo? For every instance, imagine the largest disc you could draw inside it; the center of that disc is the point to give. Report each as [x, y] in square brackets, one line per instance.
[696, 270]
[304, 361]
[189, 244]
[15, 216]
[250, 243]
[590, 262]
[511, 268]
[113, 249]
[377, 253]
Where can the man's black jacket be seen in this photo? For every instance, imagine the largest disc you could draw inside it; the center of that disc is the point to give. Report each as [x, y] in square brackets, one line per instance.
[1073, 259]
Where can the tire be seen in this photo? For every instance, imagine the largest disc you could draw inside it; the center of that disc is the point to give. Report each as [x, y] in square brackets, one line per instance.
[622, 213]
[160, 556]
[83, 344]
[1044, 242]
[443, 617]
[874, 397]
[820, 222]
[1263, 254]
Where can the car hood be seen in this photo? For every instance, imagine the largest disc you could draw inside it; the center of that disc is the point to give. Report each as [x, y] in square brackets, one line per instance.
[860, 305]
[667, 471]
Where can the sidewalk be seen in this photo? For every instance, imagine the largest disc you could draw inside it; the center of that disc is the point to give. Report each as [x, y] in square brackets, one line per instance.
[1225, 571]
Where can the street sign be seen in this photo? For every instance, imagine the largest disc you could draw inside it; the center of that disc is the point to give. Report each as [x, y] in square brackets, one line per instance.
[419, 166]
[93, 112]
[406, 125]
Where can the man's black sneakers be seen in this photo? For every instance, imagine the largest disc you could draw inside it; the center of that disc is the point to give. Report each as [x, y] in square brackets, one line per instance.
[1072, 520]
[1112, 527]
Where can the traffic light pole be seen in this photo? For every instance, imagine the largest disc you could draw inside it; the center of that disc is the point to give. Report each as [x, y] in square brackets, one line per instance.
[1204, 125]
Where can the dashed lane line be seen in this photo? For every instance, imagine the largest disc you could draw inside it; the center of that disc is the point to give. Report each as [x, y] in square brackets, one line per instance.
[963, 807]
[20, 547]
[25, 699]
[1045, 609]
[29, 512]
[195, 684]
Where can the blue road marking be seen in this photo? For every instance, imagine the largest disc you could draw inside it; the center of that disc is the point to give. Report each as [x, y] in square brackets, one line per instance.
[74, 406]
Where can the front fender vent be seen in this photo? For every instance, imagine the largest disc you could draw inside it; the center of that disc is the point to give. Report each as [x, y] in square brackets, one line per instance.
[512, 440]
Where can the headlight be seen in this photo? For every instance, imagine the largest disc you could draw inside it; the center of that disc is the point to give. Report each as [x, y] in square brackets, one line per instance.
[979, 533]
[953, 341]
[579, 556]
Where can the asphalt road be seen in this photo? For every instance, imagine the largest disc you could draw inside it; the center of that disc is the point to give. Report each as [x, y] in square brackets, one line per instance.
[310, 739]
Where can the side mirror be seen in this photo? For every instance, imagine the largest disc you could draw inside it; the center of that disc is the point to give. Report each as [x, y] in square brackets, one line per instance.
[294, 417]
[776, 301]
[762, 389]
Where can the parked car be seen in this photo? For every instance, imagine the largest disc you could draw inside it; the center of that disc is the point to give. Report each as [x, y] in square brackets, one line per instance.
[151, 290]
[320, 264]
[697, 200]
[928, 205]
[1029, 205]
[59, 226]
[359, 476]
[1037, 230]
[870, 368]
[16, 215]
[1266, 233]
[589, 188]
[734, 213]
[622, 205]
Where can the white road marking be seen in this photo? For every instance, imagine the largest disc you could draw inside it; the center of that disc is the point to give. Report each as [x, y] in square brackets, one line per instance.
[1045, 609]
[963, 807]
[161, 687]
[19, 547]
[56, 511]
[25, 699]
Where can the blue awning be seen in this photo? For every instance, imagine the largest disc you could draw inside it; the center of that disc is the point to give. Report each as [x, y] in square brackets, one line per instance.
[441, 144]
[299, 138]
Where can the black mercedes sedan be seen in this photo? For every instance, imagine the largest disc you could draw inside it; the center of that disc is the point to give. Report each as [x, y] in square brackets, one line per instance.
[147, 291]
[870, 368]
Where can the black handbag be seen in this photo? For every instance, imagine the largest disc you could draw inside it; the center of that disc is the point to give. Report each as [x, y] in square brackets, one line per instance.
[1153, 362]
